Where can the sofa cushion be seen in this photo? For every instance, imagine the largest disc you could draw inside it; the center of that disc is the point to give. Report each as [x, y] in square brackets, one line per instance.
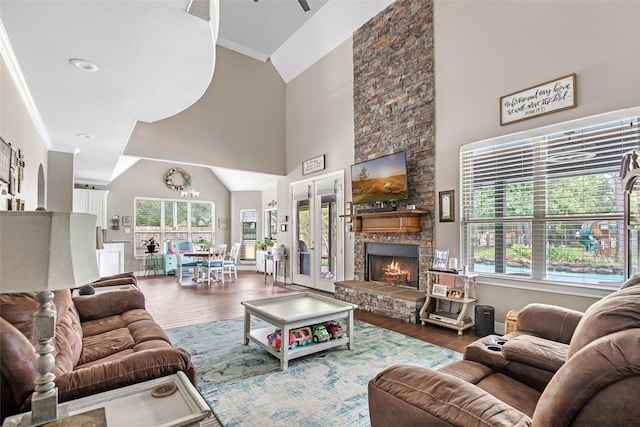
[18, 375]
[615, 312]
[535, 351]
[91, 307]
[68, 338]
[508, 390]
[99, 346]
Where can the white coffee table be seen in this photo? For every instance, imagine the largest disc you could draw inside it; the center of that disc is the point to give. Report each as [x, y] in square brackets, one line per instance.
[134, 406]
[294, 311]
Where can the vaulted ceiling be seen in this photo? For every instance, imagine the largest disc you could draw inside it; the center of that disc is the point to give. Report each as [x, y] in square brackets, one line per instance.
[154, 59]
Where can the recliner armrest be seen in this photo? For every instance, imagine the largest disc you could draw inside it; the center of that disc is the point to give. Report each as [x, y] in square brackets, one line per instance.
[548, 321]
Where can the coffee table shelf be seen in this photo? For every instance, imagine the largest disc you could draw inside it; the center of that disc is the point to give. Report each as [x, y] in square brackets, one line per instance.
[294, 311]
[259, 336]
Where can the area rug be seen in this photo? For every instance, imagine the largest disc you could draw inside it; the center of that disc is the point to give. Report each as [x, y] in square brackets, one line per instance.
[244, 385]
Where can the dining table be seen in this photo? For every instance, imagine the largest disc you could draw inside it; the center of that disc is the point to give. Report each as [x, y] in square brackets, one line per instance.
[207, 257]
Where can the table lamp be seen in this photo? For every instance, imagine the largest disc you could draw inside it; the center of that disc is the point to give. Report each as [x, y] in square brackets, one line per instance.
[43, 252]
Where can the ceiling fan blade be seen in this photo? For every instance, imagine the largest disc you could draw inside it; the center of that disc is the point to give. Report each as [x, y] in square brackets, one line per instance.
[305, 5]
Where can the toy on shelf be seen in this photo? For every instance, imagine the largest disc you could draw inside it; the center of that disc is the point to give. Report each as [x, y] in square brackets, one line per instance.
[334, 329]
[275, 340]
[320, 333]
[302, 335]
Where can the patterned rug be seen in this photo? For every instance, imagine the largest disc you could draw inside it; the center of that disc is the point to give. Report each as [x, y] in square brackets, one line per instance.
[244, 385]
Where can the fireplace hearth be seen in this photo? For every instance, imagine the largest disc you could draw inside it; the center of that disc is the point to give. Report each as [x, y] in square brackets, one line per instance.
[392, 263]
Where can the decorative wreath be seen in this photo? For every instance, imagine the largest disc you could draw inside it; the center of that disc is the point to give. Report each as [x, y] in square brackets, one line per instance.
[185, 176]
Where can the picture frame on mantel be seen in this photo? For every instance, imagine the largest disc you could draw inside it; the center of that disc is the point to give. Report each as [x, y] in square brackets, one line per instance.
[447, 206]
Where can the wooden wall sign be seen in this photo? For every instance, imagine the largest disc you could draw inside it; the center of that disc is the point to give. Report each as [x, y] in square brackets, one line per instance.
[313, 165]
[549, 97]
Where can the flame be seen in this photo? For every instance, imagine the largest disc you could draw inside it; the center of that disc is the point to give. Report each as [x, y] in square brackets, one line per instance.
[393, 269]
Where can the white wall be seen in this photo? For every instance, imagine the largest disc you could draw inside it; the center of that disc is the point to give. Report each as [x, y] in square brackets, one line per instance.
[487, 49]
[147, 179]
[60, 177]
[239, 123]
[17, 127]
[320, 121]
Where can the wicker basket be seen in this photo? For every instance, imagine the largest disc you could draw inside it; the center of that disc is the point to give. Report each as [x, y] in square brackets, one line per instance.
[511, 321]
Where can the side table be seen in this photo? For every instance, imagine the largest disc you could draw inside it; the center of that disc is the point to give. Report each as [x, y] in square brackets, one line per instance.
[134, 406]
[278, 261]
[151, 263]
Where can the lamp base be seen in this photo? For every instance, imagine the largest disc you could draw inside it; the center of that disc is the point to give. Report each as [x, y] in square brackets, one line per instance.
[44, 403]
[44, 407]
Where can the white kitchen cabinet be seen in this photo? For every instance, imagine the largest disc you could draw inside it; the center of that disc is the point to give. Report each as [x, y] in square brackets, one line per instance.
[93, 202]
[110, 259]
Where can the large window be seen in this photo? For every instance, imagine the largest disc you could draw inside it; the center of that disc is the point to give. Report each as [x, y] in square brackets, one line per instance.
[549, 207]
[172, 219]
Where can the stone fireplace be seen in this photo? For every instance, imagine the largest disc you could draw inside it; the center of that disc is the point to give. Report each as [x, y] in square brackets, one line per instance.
[393, 96]
[394, 110]
[392, 263]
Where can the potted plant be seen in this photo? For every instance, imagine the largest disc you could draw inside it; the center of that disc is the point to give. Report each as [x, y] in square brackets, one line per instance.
[151, 245]
[264, 244]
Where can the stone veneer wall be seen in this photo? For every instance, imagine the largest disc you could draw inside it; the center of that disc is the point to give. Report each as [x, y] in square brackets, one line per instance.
[394, 111]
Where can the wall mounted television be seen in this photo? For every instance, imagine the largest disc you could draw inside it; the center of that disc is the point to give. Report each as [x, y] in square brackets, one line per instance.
[383, 179]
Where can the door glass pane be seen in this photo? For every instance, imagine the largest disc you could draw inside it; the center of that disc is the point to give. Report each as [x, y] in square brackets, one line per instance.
[303, 234]
[328, 230]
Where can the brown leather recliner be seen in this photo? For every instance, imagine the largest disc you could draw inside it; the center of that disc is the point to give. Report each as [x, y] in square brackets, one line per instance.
[102, 342]
[598, 383]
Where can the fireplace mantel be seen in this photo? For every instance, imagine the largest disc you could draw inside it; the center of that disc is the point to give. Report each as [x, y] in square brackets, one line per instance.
[387, 222]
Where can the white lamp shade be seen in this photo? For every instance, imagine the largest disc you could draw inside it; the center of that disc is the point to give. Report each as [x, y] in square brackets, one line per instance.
[46, 251]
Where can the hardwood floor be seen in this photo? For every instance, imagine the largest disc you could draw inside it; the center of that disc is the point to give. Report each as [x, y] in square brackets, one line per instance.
[173, 305]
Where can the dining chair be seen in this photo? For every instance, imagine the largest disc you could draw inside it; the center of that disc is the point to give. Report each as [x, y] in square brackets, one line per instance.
[189, 265]
[214, 266]
[231, 263]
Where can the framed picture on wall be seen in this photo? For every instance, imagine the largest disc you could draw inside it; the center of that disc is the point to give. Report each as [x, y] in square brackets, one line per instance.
[447, 206]
[5, 160]
[13, 181]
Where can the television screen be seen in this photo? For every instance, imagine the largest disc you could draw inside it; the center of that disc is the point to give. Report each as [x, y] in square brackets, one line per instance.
[380, 180]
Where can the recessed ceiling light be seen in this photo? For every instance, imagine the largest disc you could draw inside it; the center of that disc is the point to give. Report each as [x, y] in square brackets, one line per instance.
[84, 135]
[83, 64]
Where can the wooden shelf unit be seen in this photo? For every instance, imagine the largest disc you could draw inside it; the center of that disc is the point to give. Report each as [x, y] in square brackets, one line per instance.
[387, 222]
[463, 282]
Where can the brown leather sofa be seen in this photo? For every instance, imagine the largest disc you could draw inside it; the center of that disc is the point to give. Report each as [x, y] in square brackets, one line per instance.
[102, 342]
[564, 369]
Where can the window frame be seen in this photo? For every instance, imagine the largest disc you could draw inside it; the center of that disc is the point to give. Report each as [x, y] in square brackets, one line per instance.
[162, 233]
[537, 281]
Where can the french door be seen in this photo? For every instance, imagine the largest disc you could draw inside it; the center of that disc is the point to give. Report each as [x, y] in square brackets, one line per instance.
[318, 239]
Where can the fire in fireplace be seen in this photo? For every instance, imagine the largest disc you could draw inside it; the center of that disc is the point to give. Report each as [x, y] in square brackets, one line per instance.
[392, 263]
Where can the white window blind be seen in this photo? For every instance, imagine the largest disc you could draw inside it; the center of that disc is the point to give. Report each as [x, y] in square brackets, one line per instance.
[549, 207]
[301, 192]
[326, 187]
